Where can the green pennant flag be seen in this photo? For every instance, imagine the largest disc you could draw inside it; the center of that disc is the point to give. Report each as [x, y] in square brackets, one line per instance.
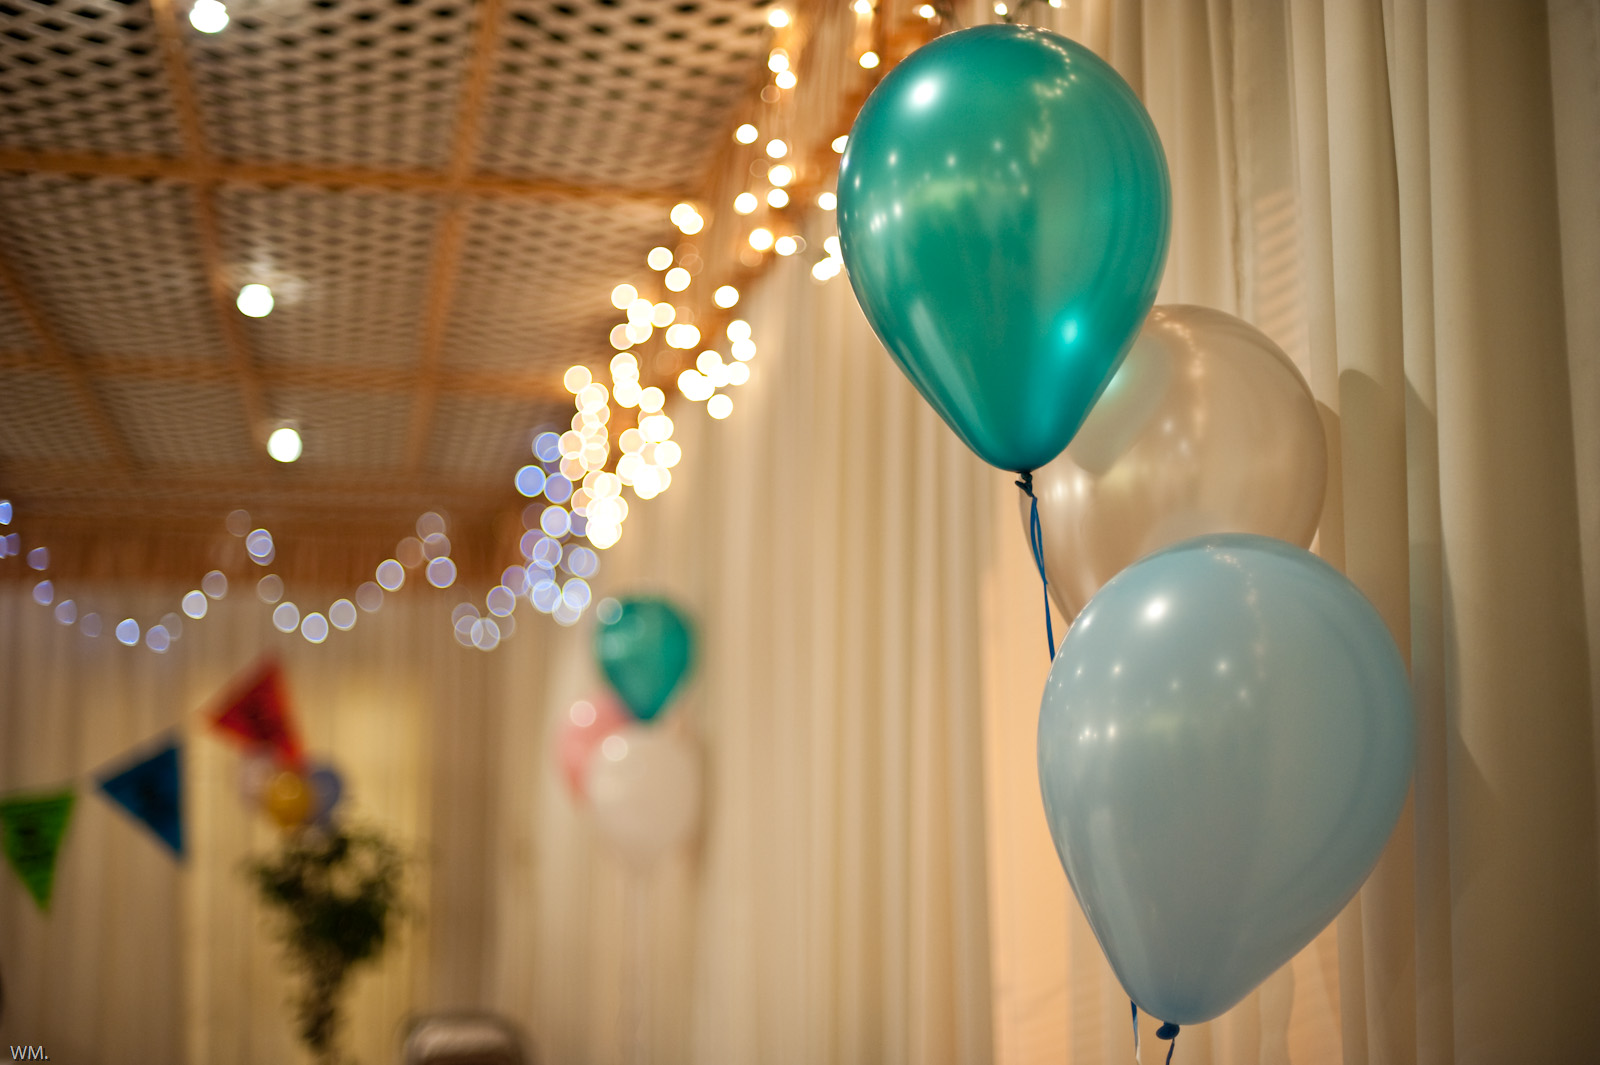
[31, 827]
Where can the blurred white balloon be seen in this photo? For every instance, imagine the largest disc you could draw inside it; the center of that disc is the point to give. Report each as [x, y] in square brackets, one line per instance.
[644, 789]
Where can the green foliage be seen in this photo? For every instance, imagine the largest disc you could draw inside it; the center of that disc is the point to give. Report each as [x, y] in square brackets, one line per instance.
[337, 895]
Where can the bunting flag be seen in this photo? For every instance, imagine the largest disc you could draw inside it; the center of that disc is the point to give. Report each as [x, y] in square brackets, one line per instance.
[151, 789]
[258, 713]
[31, 827]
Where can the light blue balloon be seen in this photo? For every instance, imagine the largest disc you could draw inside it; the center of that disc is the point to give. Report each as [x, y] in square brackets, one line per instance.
[1004, 210]
[1225, 743]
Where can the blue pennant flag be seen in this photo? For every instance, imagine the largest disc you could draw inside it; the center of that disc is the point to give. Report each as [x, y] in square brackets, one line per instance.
[151, 789]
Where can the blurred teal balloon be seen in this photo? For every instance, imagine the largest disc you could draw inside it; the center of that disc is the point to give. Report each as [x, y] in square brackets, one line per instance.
[1004, 212]
[1225, 743]
[645, 650]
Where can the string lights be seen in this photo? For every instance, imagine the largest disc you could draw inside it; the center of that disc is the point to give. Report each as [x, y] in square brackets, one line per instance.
[620, 438]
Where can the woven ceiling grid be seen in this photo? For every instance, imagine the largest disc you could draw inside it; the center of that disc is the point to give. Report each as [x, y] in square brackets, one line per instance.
[624, 92]
[112, 263]
[15, 336]
[41, 419]
[372, 83]
[487, 438]
[84, 77]
[348, 271]
[344, 430]
[180, 423]
[534, 288]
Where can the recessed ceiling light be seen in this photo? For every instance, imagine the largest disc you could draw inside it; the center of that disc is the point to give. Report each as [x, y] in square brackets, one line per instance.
[254, 300]
[284, 444]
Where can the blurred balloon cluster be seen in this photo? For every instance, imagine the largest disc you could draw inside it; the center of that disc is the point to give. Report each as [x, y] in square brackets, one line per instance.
[1226, 736]
[291, 795]
[638, 777]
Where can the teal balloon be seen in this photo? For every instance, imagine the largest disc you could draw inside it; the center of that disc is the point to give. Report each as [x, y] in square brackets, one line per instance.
[645, 653]
[1004, 212]
[1225, 743]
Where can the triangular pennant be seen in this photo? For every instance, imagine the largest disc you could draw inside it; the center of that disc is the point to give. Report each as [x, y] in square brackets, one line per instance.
[31, 827]
[257, 711]
[151, 789]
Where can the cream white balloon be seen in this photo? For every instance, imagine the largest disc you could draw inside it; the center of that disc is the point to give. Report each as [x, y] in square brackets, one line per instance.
[1207, 427]
[643, 785]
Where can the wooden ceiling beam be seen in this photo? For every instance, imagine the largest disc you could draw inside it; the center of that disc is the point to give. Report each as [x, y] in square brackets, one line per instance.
[47, 486]
[535, 387]
[57, 357]
[421, 182]
[447, 243]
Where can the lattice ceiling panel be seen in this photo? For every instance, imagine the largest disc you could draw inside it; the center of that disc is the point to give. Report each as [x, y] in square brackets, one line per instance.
[535, 289]
[441, 208]
[349, 271]
[623, 92]
[365, 432]
[14, 332]
[488, 439]
[370, 83]
[112, 263]
[185, 424]
[85, 76]
[41, 419]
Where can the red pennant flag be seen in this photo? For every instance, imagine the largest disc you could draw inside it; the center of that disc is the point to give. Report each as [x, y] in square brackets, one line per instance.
[257, 711]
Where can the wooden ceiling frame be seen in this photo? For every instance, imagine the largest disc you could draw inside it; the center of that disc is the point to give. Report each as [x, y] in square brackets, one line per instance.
[208, 232]
[419, 182]
[447, 243]
[62, 361]
[529, 385]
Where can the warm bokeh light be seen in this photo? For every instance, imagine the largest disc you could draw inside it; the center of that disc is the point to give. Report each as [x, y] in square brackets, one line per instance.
[746, 134]
[726, 296]
[786, 79]
[623, 295]
[777, 18]
[761, 238]
[785, 245]
[780, 175]
[577, 378]
[827, 201]
[777, 198]
[284, 444]
[840, 142]
[745, 202]
[777, 149]
[869, 59]
[719, 406]
[208, 16]
[677, 279]
[255, 301]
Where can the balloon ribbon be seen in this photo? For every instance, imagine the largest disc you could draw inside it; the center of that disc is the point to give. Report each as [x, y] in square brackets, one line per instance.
[1036, 544]
[1167, 1031]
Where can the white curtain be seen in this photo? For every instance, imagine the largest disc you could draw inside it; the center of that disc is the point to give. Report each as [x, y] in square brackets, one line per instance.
[1376, 185]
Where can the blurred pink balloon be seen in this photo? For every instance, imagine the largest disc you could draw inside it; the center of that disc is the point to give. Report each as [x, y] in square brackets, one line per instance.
[582, 729]
[256, 768]
[1207, 427]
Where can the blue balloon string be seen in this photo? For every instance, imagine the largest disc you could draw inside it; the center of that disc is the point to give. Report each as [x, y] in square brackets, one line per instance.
[1036, 544]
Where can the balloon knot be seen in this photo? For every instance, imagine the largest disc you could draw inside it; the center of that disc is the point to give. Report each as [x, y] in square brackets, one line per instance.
[1025, 482]
[1167, 1031]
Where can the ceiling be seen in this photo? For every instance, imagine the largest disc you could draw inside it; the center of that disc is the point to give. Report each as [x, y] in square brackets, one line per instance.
[440, 194]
